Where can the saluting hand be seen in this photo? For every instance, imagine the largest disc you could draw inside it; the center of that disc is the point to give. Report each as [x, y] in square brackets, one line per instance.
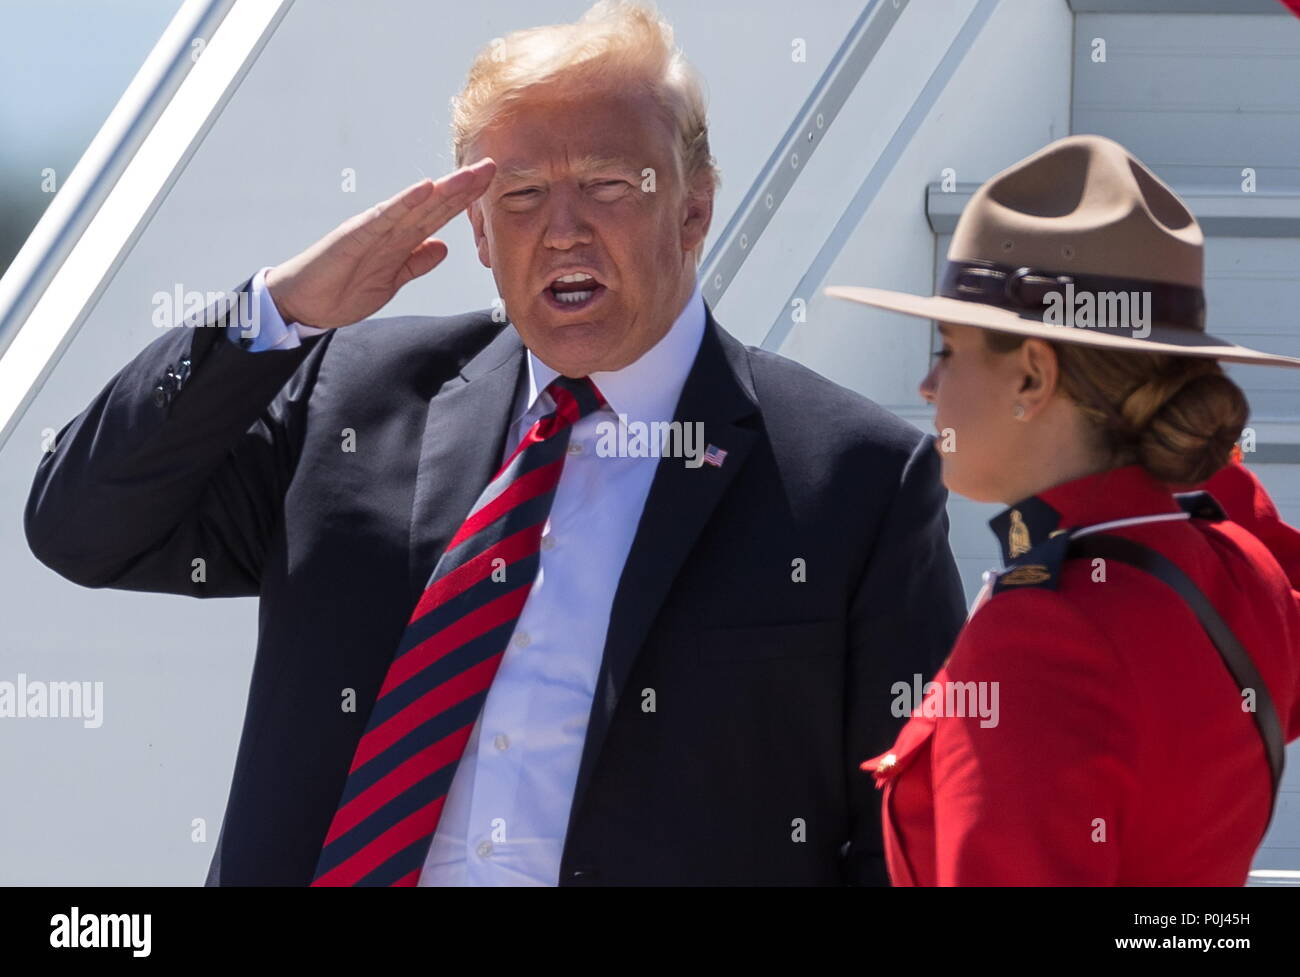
[356, 268]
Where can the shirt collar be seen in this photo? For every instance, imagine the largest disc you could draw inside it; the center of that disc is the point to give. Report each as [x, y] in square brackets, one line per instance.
[646, 389]
[1116, 493]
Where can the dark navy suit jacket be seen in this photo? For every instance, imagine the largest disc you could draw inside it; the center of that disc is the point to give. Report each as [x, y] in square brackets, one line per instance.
[769, 690]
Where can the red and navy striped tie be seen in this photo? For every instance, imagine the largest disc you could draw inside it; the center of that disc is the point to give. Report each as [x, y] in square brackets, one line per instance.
[444, 665]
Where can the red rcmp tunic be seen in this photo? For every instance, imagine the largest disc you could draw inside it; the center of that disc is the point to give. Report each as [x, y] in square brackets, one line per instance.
[1117, 750]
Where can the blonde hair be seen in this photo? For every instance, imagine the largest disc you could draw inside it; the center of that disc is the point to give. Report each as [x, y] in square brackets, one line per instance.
[1176, 416]
[615, 40]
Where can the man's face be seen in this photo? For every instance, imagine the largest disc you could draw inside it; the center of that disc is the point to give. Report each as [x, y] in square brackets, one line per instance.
[571, 196]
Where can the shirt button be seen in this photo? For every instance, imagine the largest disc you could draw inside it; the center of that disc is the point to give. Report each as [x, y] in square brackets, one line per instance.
[484, 849]
[522, 640]
[502, 741]
[575, 447]
[548, 542]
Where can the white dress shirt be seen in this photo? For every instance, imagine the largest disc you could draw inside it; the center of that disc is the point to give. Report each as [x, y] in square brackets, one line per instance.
[507, 811]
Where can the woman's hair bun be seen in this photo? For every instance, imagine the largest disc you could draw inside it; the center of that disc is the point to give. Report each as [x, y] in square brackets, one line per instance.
[1185, 421]
[1177, 416]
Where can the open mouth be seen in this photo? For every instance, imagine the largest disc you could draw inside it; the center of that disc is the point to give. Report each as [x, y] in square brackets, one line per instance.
[573, 292]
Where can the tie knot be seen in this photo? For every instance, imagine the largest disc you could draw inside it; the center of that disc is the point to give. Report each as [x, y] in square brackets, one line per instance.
[575, 398]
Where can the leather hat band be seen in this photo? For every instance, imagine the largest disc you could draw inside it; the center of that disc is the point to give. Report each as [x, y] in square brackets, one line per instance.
[1025, 291]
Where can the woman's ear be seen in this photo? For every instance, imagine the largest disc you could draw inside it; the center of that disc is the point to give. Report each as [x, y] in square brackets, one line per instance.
[1038, 372]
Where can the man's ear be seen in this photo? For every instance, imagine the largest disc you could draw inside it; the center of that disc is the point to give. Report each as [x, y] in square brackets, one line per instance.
[476, 222]
[698, 212]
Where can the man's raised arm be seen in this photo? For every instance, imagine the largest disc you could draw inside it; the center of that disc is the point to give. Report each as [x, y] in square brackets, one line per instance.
[186, 454]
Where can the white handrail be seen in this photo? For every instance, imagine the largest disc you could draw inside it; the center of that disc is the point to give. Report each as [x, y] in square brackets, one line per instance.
[107, 200]
[801, 139]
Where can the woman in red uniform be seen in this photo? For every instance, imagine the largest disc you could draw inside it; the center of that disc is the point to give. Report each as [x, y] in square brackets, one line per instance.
[1087, 729]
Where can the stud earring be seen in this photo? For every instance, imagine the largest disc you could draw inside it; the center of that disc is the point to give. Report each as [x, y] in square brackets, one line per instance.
[1019, 412]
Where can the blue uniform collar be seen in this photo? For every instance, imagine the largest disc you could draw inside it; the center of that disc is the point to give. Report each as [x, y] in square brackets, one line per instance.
[1116, 493]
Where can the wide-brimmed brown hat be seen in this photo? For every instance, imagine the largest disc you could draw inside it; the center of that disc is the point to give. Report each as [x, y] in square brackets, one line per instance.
[1078, 243]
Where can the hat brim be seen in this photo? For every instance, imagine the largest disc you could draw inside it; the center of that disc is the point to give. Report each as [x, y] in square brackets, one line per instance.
[1160, 339]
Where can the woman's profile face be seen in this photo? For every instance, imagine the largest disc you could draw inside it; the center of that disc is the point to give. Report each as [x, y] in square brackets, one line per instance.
[973, 390]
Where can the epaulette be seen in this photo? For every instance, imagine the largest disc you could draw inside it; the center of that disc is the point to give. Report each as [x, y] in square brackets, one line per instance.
[1039, 567]
[1201, 505]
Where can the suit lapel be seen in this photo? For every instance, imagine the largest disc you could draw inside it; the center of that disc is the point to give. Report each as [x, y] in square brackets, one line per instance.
[461, 448]
[719, 393]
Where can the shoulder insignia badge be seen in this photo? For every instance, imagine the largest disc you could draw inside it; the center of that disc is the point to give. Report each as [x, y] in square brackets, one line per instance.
[1017, 535]
[1039, 566]
[1028, 573]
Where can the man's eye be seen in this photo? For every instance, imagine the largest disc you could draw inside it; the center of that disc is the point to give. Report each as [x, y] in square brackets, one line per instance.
[521, 193]
[942, 354]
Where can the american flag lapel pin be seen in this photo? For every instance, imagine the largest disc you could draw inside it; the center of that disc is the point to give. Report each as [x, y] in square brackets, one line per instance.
[714, 455]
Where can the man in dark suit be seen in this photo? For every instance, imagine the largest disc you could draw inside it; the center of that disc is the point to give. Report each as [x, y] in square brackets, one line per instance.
[684, 658]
